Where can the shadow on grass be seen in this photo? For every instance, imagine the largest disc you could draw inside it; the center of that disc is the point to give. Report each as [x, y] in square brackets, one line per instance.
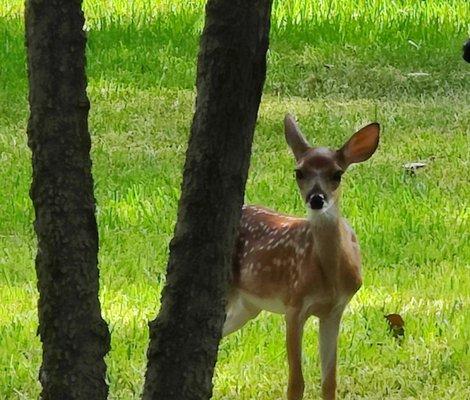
[321, 59]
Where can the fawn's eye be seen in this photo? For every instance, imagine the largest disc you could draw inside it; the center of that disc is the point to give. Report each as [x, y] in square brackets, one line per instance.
[299, 174]
[337, 176]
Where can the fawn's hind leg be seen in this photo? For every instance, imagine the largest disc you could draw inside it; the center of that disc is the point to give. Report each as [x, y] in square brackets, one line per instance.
[239, 312]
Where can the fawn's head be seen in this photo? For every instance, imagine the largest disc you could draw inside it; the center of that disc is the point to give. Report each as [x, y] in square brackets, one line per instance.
[319, 169]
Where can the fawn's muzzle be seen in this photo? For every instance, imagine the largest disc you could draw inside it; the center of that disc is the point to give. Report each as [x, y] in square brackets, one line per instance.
[316, 201]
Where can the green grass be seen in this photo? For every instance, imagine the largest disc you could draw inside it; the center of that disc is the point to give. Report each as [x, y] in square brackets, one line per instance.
[336, 65]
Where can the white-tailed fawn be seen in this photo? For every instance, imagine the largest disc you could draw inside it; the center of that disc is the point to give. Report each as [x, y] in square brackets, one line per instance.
[302, 266]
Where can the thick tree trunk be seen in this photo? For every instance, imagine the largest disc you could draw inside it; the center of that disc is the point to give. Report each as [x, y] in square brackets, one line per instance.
[184, 338]
[75, 338]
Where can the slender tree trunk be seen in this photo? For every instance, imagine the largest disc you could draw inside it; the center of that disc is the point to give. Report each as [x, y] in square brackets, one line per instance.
[75, 338]
[184, 338]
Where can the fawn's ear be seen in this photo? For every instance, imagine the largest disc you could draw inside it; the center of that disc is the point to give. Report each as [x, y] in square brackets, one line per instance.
[294, 137]
[361, 145]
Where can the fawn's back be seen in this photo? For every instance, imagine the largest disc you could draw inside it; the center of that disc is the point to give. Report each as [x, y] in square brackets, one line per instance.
[276, 265]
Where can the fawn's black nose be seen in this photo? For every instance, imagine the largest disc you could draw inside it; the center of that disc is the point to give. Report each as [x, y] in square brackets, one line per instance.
[317, 201]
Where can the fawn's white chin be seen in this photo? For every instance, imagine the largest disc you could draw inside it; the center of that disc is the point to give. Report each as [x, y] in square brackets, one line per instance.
[327, 212]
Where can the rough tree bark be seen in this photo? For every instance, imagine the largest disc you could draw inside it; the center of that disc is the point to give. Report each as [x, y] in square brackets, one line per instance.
[75, 338]
[184, 338]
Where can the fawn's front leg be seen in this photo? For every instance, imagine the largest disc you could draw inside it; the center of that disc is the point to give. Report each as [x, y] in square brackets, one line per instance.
[294, 330]
[329, 328]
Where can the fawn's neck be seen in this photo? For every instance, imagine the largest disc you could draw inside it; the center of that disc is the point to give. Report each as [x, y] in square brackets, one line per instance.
[326, 232]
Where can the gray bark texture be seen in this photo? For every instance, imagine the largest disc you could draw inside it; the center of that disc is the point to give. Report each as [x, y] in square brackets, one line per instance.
[75, 338]
[184, 337]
